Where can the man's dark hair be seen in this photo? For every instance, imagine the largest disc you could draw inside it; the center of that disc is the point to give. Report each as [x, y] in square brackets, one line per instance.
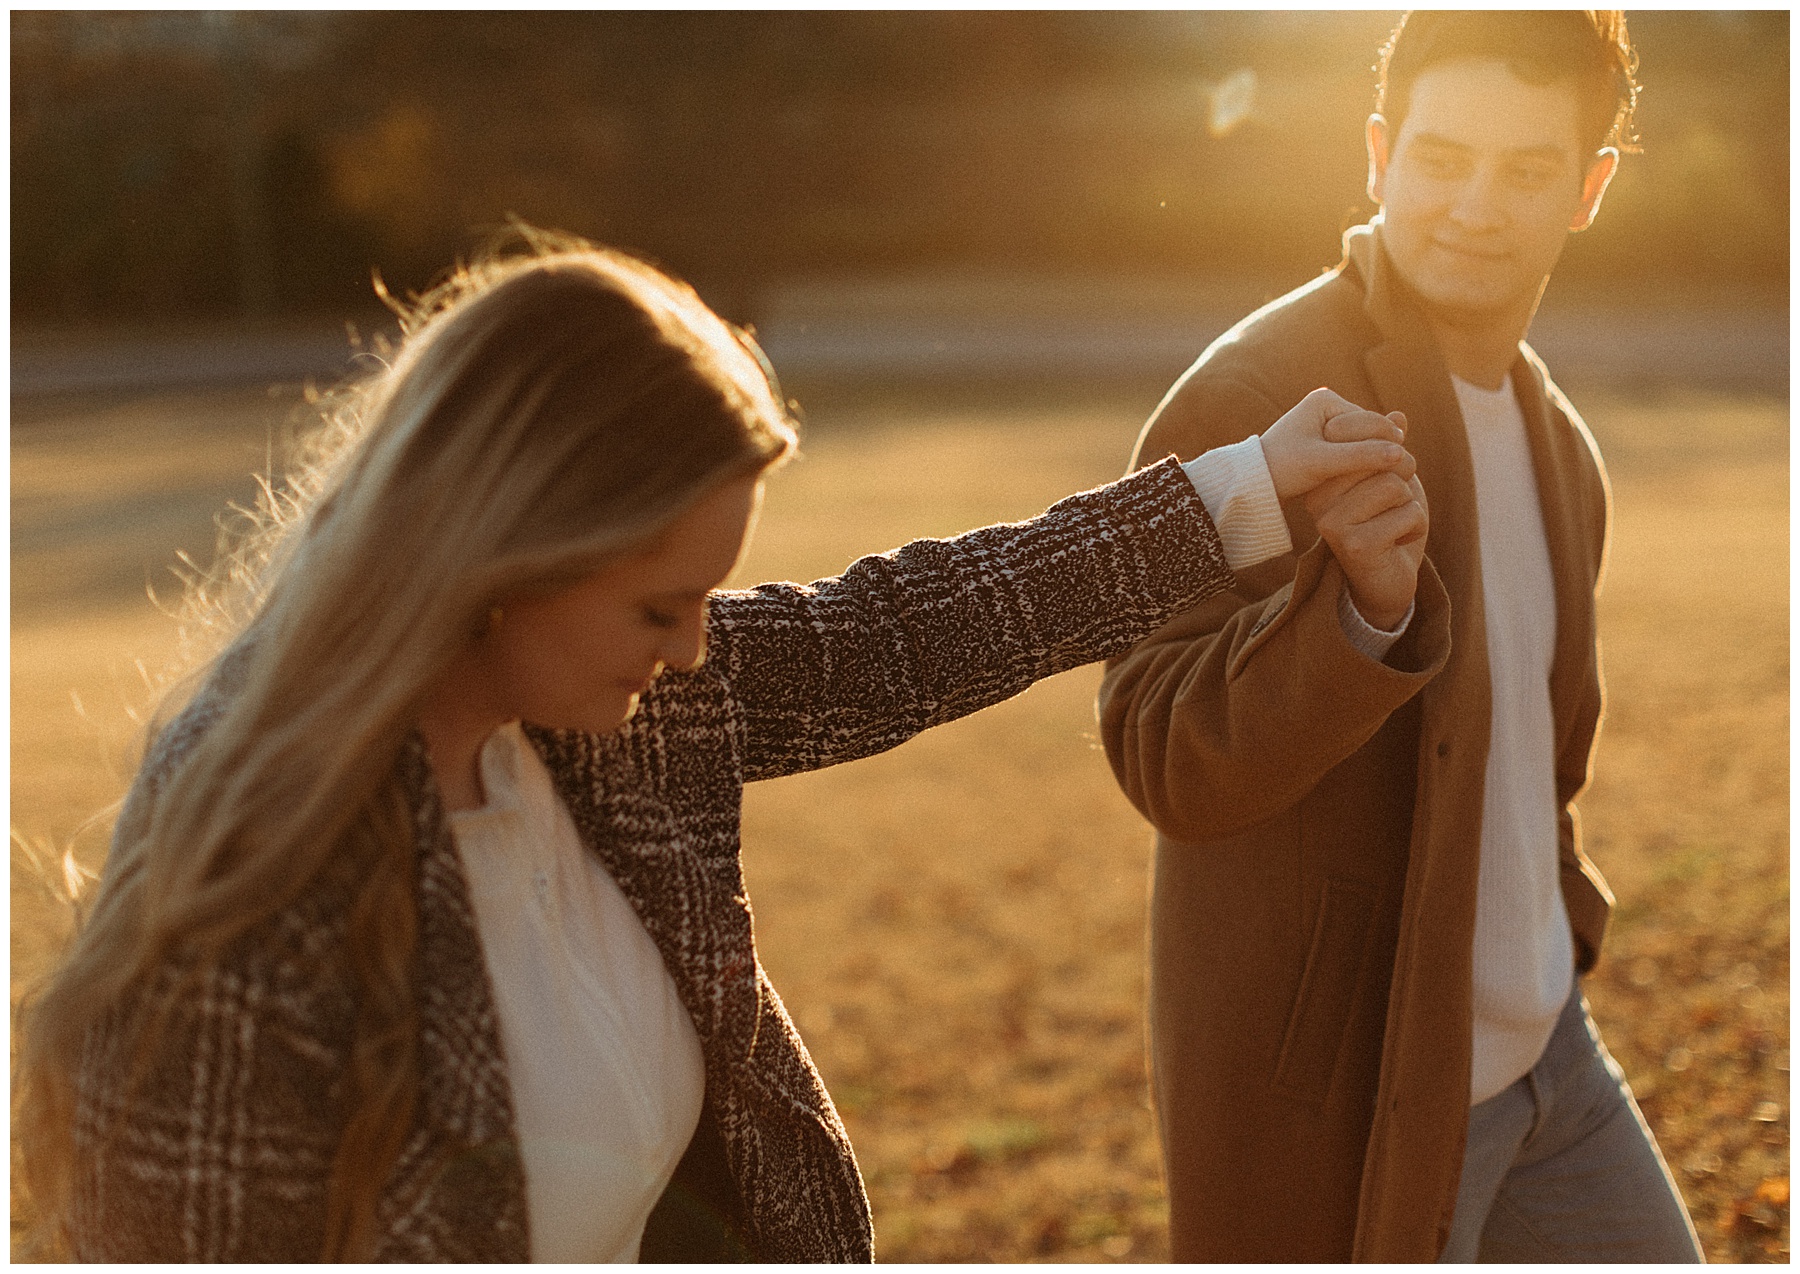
[1589, 46]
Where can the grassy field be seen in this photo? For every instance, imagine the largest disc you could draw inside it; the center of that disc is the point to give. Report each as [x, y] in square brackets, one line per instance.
[958, 926]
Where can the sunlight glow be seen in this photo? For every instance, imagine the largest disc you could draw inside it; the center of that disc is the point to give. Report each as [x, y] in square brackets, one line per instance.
[1229, 102]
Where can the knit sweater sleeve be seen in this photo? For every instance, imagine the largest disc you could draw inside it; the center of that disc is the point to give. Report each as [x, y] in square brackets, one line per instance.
[905, 640]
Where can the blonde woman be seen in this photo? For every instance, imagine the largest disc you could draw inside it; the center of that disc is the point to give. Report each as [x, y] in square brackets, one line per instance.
[423, 934]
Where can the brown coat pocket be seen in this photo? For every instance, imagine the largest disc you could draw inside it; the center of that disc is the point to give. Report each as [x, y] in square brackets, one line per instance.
[1315, 1029]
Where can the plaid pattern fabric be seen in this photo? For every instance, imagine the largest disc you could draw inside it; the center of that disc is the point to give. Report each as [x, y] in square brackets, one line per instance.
[220, 1150]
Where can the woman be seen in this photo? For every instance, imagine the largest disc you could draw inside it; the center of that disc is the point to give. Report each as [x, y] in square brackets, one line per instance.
[423, 934]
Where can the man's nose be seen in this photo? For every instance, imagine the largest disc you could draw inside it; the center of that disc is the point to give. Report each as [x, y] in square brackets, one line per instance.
[1478, 205]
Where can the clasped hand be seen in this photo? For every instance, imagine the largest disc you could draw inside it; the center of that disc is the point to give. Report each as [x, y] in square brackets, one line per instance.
[1362, 489]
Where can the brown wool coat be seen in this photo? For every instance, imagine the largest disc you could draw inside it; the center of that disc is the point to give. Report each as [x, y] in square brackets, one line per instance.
[222, 1151]
[1319, 815]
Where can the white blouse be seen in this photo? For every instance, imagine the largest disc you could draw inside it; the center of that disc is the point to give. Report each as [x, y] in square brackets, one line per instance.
[605, 1066]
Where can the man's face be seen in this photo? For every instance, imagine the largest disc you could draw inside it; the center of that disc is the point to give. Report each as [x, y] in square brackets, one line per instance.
[1482, 186]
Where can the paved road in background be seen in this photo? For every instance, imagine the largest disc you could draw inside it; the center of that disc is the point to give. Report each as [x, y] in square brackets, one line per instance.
[967, 332]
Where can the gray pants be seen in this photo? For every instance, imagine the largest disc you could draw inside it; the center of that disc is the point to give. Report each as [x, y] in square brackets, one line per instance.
[1562, 1167]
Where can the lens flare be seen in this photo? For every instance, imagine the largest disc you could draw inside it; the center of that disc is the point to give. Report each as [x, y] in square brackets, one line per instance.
[1230, 101]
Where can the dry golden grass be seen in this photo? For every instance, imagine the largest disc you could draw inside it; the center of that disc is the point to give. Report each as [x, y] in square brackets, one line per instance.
[958, 926]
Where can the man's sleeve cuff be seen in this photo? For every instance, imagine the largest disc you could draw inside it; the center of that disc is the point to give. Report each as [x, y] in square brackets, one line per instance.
[1372, 641]
[1235, 486]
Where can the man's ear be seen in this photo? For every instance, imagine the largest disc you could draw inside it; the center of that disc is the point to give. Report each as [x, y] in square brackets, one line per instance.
[1593, 187]
[1377, 138]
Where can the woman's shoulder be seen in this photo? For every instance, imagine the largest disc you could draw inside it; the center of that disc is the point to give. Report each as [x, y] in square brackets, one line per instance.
[292, 957]
[175, 740]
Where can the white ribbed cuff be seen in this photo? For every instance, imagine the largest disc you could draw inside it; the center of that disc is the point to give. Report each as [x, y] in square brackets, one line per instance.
[1235, 486]
[1372, 641]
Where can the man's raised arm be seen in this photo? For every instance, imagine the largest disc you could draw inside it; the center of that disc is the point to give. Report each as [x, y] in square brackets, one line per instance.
[1234, 711]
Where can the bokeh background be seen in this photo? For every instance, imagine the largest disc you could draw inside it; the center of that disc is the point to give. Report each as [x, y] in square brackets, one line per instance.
[978, 247]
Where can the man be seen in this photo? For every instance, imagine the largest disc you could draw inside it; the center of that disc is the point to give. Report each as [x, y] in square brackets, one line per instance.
[1368, 1039]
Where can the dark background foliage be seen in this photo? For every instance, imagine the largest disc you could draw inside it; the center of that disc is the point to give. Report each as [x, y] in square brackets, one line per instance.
[187, 164]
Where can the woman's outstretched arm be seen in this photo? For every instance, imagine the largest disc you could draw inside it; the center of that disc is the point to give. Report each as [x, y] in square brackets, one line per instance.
[921, 635]
[905, 640]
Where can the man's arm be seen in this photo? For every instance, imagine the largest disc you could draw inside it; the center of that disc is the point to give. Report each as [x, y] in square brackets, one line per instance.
[1235, 710]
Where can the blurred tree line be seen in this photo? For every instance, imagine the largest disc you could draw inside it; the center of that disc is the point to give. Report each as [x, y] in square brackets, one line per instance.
[169, 164]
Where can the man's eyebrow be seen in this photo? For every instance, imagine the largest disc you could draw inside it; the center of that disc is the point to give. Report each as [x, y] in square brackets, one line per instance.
[1437, 139]
[1551, 152]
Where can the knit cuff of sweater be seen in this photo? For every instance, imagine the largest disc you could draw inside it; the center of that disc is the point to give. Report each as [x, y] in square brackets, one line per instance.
[1372, 641]
[1235, 486]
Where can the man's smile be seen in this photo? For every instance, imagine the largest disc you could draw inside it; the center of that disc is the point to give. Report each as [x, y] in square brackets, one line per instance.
[1472, 252]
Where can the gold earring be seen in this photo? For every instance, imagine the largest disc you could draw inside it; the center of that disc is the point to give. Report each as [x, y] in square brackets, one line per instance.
[495, 615]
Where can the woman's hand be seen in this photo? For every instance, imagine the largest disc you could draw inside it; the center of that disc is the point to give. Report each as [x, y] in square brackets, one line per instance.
[1328, 437]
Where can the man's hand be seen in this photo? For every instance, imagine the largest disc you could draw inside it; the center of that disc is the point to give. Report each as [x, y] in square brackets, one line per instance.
[1376, 527]
[1328, 437]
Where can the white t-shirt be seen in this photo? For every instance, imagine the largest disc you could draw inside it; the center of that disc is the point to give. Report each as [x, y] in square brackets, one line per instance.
[1524, 958]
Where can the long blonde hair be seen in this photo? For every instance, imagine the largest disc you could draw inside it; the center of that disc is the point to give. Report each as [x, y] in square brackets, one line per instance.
[545, 410]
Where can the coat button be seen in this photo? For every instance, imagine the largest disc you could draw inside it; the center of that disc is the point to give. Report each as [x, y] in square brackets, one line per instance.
[1443, 748]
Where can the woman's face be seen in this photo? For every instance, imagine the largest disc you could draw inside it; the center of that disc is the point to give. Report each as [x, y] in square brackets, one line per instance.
[579, 658]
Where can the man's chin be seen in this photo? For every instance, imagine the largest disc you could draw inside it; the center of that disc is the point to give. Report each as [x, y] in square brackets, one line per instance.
[1468, 300]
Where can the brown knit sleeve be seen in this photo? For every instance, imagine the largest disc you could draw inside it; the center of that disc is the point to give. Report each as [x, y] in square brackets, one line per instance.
[846, 667]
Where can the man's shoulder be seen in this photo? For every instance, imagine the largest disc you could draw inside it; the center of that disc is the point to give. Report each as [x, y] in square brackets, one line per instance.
[1558, 406]
[1326, 312]
[1315, 335]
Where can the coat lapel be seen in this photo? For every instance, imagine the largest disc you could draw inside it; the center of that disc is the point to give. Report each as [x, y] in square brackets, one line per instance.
[1571, 569]
[692, 903]
[458, 1190]
[1408, 375]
